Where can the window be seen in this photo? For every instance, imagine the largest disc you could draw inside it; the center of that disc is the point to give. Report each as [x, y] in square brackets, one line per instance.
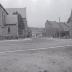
[8, 29]
[3, 18]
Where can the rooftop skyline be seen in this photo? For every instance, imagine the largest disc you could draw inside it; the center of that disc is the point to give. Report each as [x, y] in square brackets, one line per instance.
[38, 11]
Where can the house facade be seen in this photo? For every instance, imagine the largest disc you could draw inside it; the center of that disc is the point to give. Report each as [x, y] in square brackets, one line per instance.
[22, 20]
[3, 14]
[13, 23]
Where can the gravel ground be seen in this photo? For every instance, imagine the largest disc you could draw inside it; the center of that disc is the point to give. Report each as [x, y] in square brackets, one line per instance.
[49, 60]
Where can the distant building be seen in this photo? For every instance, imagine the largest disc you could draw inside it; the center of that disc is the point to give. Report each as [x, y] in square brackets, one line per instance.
[56, 29]
[36, 32]
[69, 23]
[59, 29]
[13, 23]
[22, 21]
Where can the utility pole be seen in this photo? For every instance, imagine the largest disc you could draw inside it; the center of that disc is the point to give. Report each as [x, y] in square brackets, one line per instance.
[59, 23]
[59, 19]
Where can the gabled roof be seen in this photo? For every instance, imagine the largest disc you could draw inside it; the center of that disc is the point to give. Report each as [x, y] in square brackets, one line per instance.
[52, 24]
[70, 18]
[3, 9]
[22, 11]
[70, 25]
[65, 26]
[48, 24]
[57, 25]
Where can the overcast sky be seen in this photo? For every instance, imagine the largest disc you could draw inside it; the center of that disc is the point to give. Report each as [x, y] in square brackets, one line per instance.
[38, 11]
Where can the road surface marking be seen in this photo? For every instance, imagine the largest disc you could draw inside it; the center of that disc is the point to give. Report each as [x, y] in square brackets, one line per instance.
[33, 49]
[27, 39]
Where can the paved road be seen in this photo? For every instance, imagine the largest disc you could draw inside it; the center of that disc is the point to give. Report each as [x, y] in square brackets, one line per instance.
[33, 44]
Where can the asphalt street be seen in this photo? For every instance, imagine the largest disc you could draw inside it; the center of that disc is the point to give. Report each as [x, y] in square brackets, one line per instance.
[33, 44]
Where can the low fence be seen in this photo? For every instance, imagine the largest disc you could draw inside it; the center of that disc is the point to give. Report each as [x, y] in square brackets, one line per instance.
[8, 37]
